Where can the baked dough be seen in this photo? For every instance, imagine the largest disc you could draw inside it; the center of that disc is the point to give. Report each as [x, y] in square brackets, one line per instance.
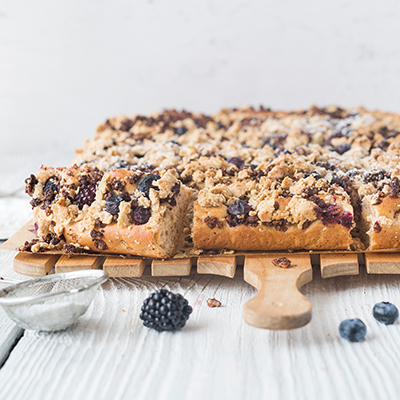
[107, 212]
[284, 205]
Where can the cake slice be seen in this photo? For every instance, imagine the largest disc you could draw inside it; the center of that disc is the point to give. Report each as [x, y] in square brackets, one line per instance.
[287, 204]
[121, 211]
[379, 194]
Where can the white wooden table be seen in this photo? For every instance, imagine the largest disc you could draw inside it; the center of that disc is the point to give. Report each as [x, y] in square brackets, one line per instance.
[108, 354]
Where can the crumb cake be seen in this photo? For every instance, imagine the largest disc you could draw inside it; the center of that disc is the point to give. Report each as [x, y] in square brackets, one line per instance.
[119, 211]
[286, 204]
[241, 179]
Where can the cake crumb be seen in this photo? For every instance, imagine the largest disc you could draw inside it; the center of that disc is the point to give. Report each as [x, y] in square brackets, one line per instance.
[213, 303]
[282, 262]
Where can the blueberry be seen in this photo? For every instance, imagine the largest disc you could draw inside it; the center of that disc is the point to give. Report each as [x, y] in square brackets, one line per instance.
[180, 130]
[343, 148]
[50, 189]
[315, 175]
[146, 183]
[352, 330]
[112, 204]
[386, 313]
[120, 165]
[239, 207]
[50, 186]
[141, 215]
[221, 126]
[236, 161]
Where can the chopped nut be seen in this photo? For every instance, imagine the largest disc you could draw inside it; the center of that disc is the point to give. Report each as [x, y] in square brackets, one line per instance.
[213, 303]
[282, 262]
[225, 251]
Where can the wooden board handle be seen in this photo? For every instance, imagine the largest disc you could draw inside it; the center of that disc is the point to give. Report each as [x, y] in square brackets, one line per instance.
[279, 304]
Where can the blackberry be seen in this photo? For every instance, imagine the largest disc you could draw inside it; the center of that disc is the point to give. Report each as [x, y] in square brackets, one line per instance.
[146, 183]
[239, 207]
[86, 195]
[165, 311]
[112, 204]
[386, 313]
[352, 330]
[236, 161]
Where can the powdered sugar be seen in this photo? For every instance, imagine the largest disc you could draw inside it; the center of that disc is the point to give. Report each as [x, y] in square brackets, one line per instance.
[53, 316]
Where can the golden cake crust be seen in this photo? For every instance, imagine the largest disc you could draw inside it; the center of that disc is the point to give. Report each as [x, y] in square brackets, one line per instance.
[316, 236]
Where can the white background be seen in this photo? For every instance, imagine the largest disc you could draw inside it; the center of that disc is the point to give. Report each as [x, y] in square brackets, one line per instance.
[66, 66]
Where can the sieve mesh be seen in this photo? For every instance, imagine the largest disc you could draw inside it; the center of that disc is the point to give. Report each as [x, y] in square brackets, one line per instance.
[36, 288]
[52, 302]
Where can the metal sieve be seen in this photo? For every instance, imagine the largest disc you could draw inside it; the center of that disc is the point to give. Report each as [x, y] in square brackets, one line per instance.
[52, 302]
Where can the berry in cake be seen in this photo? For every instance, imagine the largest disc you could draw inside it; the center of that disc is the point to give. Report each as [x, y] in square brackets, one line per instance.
[86, 195]
[147, 183]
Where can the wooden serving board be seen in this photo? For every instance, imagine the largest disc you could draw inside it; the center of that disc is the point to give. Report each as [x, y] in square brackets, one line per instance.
[279, 303]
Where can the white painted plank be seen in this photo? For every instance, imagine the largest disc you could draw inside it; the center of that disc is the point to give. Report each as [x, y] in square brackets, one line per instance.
[9, 331]
[110, 355]
[6, 269]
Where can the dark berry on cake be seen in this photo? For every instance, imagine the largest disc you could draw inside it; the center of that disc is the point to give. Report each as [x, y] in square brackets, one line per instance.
[86, 195]
[50, 190]
[141, 215]
[146, 183]
[112, 204]
[181, 130]
[342, 148]
[236, 161]
[239, 207]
